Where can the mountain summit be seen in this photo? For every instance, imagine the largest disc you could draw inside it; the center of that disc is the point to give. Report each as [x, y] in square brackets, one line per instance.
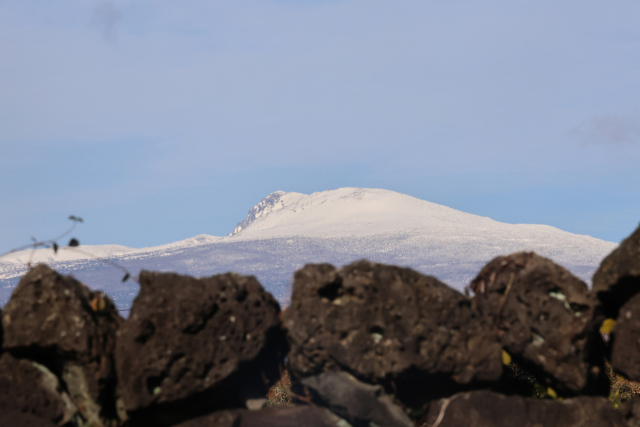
[348, 212]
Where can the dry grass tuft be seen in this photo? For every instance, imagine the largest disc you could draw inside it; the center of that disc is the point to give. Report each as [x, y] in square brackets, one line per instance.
[621, 388]
[280, 393]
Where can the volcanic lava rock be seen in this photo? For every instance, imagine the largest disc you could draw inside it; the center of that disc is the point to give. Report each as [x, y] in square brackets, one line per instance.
[359, 403]
[390, 326]
[31, 394]
[489, 409]
[229, 418]
[191, 346]
[275, 416]
[625, 353]
[544, 318]
[630, 410]
[62, 324]
[618, 278]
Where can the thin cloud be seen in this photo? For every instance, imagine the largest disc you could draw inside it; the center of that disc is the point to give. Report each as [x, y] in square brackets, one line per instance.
[106, 16]
[609, 130]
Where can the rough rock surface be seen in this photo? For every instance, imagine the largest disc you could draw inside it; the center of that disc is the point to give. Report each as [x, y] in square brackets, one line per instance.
[30, 393]
[388, 325]
[61, 323]
[191, 346]
[216, 419]
[630, 411]
[359, 403]
[488, 409]
[275, 416]
[543, 317]
[625, 353]
[618, 277]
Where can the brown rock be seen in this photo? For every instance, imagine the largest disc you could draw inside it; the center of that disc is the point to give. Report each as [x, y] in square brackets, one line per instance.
[625, 353]
[31, 394]
[359, 403]
[618, 278]
[216, 419]
[543, 317]
[488, 409]
[630, 410]
[191, 346]
[276, 416]
[62, 324]
[391, 326]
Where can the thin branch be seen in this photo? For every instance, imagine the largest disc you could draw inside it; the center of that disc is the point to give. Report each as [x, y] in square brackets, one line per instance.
[504, 298]
[443, 409]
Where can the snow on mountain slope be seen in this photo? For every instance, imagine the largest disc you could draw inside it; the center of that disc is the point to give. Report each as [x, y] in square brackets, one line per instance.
[287, 230]
[356, 212]
[95, 252]
[349, 212]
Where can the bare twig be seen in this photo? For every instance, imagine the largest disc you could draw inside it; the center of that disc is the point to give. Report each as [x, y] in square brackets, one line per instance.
[504, 297]
[45, 243]
[443, 409]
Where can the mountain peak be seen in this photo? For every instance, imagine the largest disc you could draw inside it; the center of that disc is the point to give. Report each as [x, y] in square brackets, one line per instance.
[273, 202]
[346, 212]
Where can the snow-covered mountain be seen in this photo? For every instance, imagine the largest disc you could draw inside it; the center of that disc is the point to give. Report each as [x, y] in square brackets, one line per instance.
[287, 230]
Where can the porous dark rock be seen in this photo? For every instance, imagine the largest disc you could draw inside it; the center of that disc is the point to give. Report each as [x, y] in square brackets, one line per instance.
[291, 416]
[630, 410]
[391, 326]
[618, 278]
[359, 403]
[31, 395]
[229, 418]
[625, 352]
[191, 346]
[545, 318]
[275, 416]
[62, 324]
[489, 409]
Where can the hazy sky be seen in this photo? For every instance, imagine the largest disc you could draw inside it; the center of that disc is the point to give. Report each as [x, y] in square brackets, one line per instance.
[159, 120]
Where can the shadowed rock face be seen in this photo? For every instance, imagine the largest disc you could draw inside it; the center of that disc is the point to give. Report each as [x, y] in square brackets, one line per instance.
[30, 393]
[192, 345]
[62, 324]
[488, 409]
[388, 325]
[542, 315]
[625, 353]
[280, 416]
[359, 403]
[630, 411]
[618, 278]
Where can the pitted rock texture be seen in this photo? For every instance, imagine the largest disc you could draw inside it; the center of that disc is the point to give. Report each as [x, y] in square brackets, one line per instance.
[618, 278]
[544, 318]
[488, 409]
[61, 323]
[275, 416]
[630, 411]
[30, 393]
[625, 352]
[192, 345]
[390, 326]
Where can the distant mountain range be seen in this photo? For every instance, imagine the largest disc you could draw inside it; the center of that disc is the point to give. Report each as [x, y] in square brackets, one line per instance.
[287, 230]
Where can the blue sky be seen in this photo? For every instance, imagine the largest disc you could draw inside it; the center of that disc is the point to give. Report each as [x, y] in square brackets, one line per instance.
[159, 120]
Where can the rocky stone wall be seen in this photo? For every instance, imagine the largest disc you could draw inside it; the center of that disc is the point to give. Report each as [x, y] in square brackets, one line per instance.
[365, 345]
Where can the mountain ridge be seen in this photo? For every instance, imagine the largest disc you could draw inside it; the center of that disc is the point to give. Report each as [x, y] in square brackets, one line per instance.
[284, 231]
